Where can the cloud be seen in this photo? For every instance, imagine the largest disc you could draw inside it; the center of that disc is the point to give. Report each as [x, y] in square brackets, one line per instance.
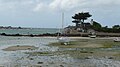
[40, 7]
[57, 5]
[100, 9]
[68, 5]
[63, 4]
[16, 5]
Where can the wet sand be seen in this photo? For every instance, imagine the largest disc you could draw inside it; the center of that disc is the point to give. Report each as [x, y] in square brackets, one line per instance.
[14, 48]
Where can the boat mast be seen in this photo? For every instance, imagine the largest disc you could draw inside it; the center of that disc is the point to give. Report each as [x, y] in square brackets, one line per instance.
[62, 22]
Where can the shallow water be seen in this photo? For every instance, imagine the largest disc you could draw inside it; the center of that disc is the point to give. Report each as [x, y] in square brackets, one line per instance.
[29, 31]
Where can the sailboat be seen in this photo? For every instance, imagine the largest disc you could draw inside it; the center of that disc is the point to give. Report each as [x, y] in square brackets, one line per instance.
[92, 35]
[117, 39]
[63, 40]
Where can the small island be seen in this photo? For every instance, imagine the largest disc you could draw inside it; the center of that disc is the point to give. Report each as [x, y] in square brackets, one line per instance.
[83, 28]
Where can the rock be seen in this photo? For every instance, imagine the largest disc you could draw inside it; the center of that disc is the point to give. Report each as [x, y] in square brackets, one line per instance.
[31, 58]
[83, 52]
[61, 66]
[18, 45]
[110, 58]
[91, 52]
[88, 57]
[40, 62]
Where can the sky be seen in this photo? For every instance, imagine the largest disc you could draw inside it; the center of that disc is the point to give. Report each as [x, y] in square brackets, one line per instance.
[47, 13]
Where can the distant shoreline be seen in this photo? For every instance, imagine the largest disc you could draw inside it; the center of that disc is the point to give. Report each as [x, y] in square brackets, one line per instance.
[68, 35]
[11, 27]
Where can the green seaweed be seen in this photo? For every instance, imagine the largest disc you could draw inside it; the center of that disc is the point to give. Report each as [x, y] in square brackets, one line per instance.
[38, 53]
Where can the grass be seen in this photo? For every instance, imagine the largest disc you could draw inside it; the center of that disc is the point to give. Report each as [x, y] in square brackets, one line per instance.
[111, 44]
[100, 43]
[90, 47]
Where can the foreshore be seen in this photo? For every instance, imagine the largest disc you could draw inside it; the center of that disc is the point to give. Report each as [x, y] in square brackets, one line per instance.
[102, 51]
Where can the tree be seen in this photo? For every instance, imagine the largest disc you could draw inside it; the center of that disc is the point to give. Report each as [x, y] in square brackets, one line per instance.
[116, 27]
[76, 22]
[80, 17]
[96, 26]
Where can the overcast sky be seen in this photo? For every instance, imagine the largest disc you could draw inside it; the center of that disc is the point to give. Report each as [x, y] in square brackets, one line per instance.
[47, 13]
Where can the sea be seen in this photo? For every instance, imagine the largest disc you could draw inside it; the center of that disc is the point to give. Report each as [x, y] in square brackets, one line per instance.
[30, 31]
